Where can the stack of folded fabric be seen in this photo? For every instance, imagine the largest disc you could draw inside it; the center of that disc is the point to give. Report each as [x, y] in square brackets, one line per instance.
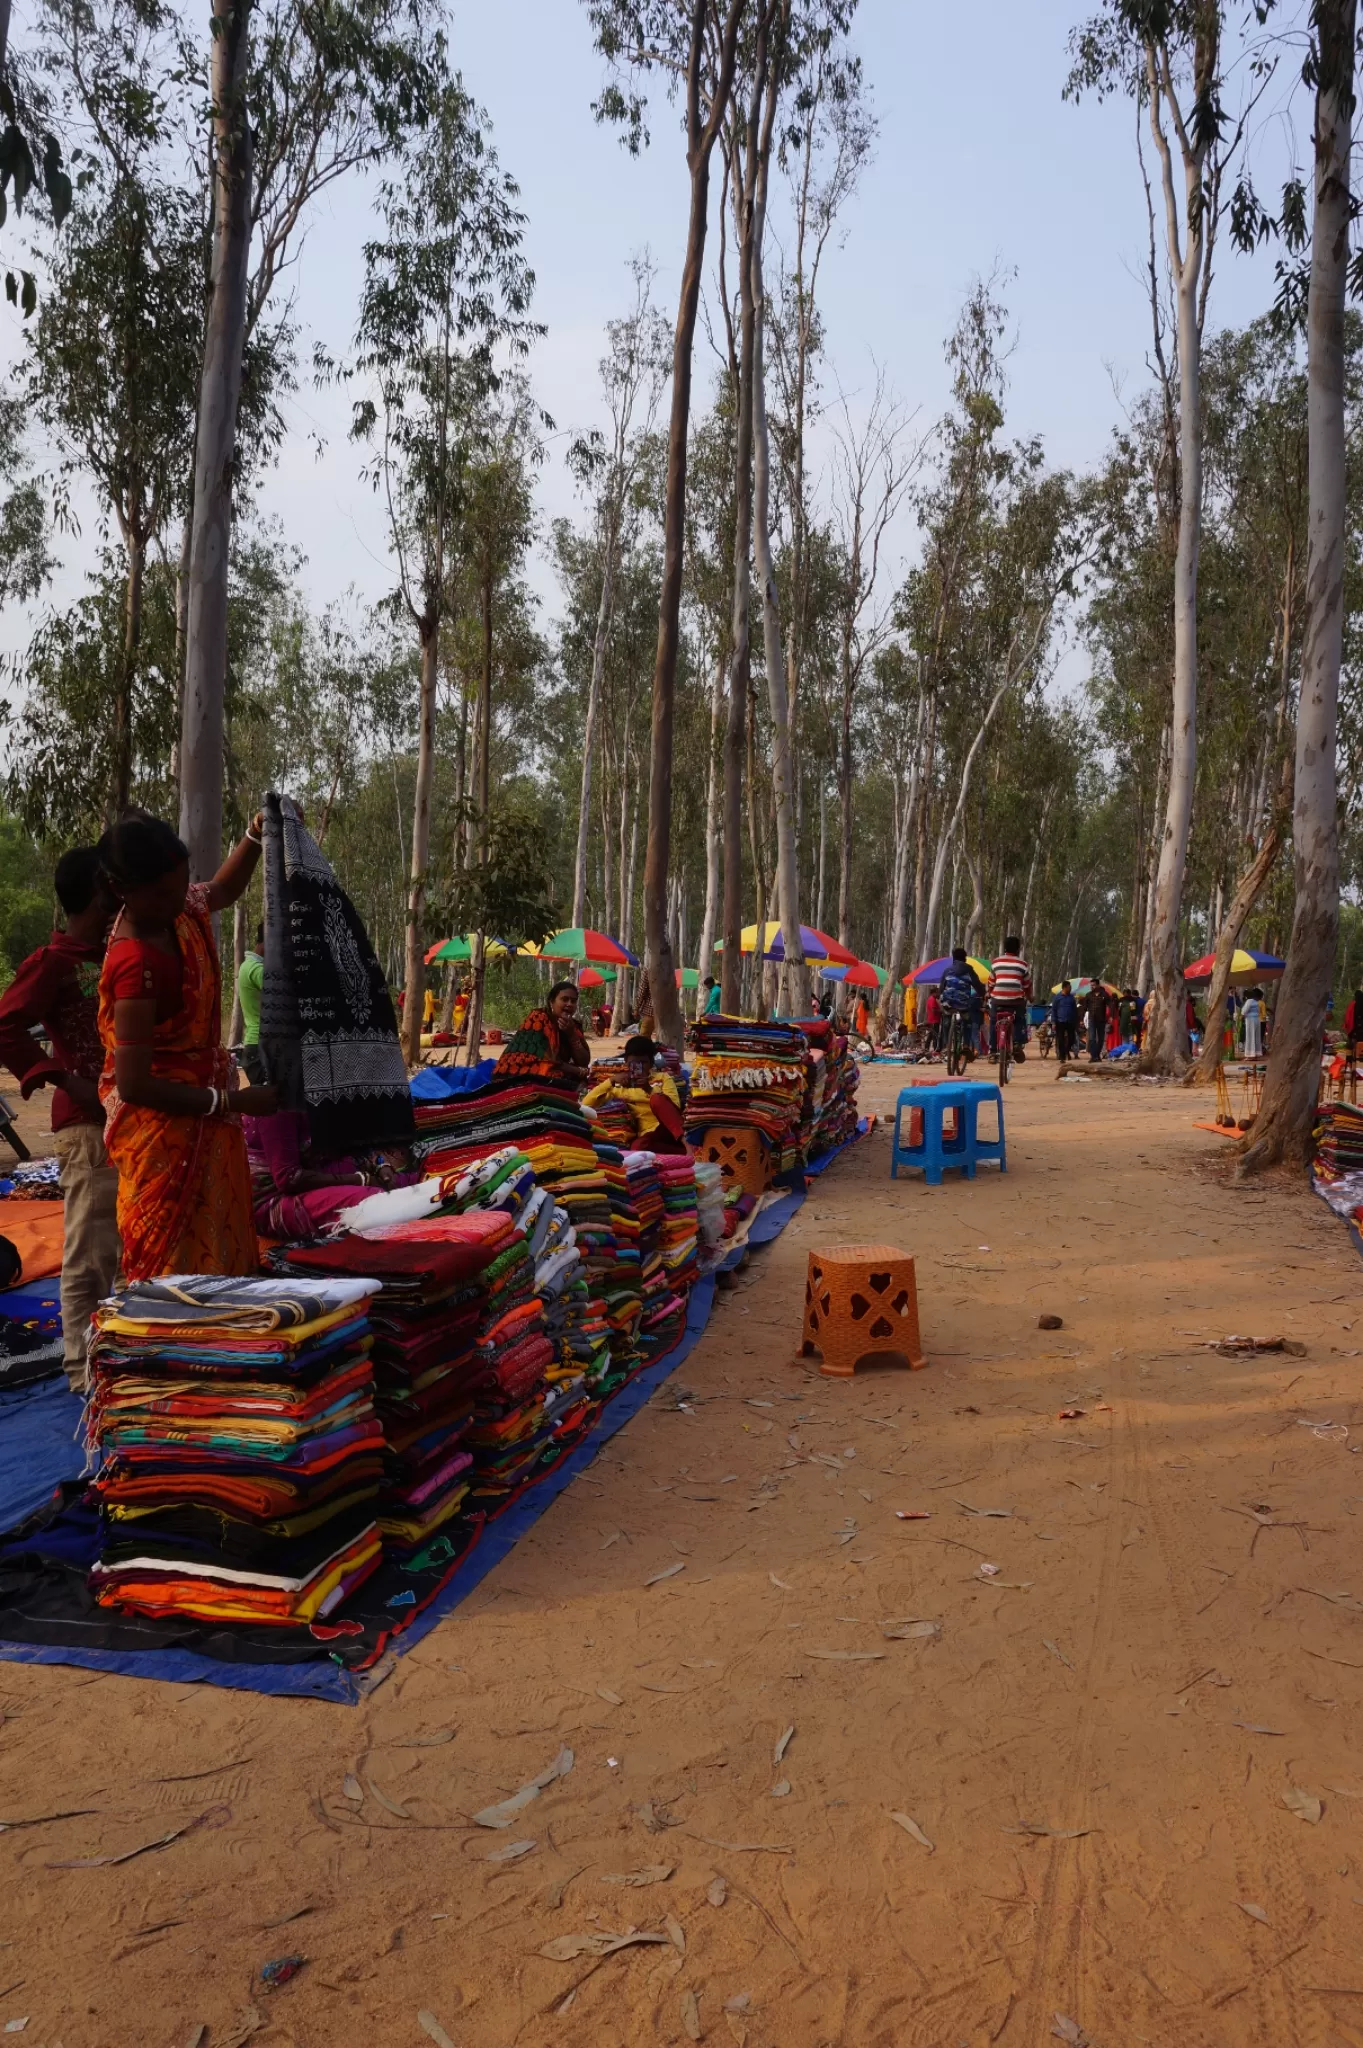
[662, 1300]
[622, 1287]
[679, 1235]
[1339, 1140]
[751, 1075]
[426, 1366]
[542, 1117]
[830, 1108]
[710, 1213]
[241, 1457]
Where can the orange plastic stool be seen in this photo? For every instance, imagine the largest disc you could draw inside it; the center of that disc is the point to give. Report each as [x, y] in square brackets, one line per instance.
[861, 1299]
[741, 1154]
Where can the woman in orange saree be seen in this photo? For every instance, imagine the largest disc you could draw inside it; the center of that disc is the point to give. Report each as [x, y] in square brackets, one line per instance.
[173, 1129]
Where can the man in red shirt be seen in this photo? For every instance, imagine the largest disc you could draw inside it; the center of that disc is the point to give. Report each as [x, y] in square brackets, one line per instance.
[56, 991]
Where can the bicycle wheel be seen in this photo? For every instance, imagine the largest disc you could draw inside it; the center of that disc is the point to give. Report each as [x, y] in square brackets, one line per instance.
[1005, 1039]
[956, 1048]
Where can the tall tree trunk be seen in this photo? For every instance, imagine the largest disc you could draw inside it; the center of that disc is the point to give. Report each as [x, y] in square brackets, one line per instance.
[622, 980]
[1025, 926]
[414, 978]
[952, 824]
[823, 847]
[603, 628]
[759, 965]
[1241, 903]
[201, 736]
[899, 916]
[1166, 1034]
[1144, 976]
[845, 797]
[975, 922]
[482, 797]
[740, 653]
[706, 961]
[132, 638]
[700, 142]
[782, 776]
[1282, 1129]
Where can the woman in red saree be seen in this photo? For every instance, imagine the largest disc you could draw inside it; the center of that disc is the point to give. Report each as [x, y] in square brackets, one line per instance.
[184, 1187]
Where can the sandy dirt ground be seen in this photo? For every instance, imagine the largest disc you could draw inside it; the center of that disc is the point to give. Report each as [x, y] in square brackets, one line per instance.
[1131, 1755]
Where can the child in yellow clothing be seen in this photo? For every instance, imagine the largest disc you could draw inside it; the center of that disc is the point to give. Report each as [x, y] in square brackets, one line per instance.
[650, 1096]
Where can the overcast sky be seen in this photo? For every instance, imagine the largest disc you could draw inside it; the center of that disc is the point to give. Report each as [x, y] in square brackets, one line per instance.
[979, 165]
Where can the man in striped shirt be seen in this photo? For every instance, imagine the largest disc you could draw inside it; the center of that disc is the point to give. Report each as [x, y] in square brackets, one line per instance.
[1010, 987]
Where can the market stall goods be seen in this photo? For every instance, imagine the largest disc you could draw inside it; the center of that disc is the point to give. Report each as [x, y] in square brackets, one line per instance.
[241, 1456]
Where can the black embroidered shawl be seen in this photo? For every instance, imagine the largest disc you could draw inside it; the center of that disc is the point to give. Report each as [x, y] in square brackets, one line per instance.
[328, 1035]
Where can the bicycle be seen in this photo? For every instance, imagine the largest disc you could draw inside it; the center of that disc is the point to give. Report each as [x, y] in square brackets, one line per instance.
[958, 1044]
[1005, 1040]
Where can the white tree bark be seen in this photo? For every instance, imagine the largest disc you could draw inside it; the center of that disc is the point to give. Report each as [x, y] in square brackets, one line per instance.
[414, 978]
[712, 815]
[599, 645]
[1283, 1127]
[201, 736]
[1189, 257]
[783, 792]
[899, 916]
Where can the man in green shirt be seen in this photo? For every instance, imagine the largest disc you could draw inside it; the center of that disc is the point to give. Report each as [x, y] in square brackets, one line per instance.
[712, 997]
[250, 982]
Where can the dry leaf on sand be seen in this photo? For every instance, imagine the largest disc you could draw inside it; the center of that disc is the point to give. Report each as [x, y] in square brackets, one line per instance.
[429, 2024]
[502, 1815]
[690, 2013]
[783, 1745]
[675, 1934]
[566, 1947]
[612, 1699]
[510, 1854]
[1255, 1913]
[391, 1805]
[848, 1656]
[1303, 1804]
[778, 1582]
[353, 1789]
[670, 1573]
[717, 1891]
[911, 1827]
[910, 1631]
[781, 1788]
[1069, 2030]
[651, 1873]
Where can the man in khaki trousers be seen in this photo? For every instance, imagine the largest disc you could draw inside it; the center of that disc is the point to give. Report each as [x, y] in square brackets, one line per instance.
[56, 992]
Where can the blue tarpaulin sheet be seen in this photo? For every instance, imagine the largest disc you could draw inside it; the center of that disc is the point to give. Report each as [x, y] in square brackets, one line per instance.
[38, 1449]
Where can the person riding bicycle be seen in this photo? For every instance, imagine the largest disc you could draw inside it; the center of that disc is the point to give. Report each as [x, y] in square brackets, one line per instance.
[962, 991]
[1010, 989]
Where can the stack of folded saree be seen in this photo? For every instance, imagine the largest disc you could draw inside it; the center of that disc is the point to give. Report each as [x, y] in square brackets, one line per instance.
[621, 1281]
[751, 1075]
[427, 1369]
[830, 1108]
[540, 1116]
[241, 1455]
[662, 1312]
[679, 1234]
[710, 1213]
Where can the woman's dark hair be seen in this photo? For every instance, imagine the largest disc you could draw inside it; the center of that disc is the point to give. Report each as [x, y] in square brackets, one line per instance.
[557, 990]
[140, 849]
[76, 879]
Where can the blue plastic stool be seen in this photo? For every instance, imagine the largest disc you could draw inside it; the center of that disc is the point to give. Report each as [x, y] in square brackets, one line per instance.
[976, 1093]
[937, 1151]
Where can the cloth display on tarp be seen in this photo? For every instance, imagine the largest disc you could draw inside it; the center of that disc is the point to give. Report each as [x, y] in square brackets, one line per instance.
[240, 1455]
[753, 1076]
[328, 1034]
[830, 1106]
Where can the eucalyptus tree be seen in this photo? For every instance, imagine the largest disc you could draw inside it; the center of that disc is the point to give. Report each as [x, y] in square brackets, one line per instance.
[1167, 55]
[297, 97]
[25, 553]
[446, 295]
[696, 42]
[633, 378]
[1283, 1127]
[113, 374]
